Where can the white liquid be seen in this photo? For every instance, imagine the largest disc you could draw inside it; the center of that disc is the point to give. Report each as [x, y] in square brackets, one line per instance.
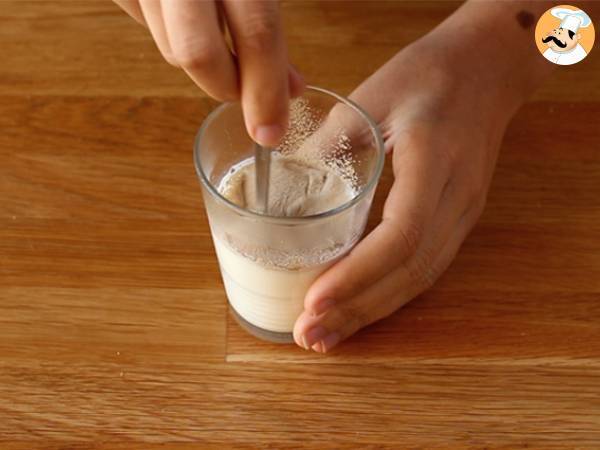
[269, 298]
[267, 274]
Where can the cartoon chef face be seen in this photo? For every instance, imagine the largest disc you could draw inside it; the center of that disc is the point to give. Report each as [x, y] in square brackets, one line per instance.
[561, 40]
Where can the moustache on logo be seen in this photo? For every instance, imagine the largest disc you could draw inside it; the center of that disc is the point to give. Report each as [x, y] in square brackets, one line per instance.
[555, 40]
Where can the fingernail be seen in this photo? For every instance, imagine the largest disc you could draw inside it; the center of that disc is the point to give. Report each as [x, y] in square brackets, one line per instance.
[314, 335]
[330, 341]
[304, 344]
[268, 135]
[297, 73]
[323, 306]
[297, 82]
[295, 69]
[317, 347]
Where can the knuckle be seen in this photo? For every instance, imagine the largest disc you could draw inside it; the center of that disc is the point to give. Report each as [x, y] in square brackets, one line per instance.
[195, 53]
[356, 317]
[343, 115]
[259, 31]
[479, 206]
[476, 188]
[476, 197]
[421, 271]
[409, 238]
[224, 94]
[337, 114]
[471, 181]
[447, 160]
[413, 137]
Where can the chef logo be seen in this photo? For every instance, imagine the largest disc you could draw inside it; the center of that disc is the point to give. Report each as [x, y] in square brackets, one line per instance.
[564, 35]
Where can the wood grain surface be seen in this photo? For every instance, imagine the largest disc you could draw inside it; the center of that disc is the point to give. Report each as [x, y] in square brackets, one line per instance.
[114, 330]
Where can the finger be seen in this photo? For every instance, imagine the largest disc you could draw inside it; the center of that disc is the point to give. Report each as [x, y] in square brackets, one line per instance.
[132, 7]
[398, 299]
[296, 82]
[199, 47]
[342, 132]
[338, 323]
[257, 34]
[411, 204]
[153, 16]
[401, 284]
[326, 330]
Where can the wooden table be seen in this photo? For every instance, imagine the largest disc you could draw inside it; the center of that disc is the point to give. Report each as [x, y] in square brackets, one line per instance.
[114, 330]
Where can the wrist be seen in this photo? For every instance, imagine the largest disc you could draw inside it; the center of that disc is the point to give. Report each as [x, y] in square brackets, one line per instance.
[487, 55]
[454, 85]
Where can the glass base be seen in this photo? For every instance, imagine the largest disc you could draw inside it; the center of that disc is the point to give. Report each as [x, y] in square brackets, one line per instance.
[265, 335]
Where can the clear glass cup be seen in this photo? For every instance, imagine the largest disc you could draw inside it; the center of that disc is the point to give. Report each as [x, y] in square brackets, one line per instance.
[268, 263]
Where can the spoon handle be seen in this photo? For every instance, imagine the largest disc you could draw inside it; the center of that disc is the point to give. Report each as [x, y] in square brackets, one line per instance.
[262, 161]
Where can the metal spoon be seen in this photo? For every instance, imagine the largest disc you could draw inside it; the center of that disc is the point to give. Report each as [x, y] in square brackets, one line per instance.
[262, 163]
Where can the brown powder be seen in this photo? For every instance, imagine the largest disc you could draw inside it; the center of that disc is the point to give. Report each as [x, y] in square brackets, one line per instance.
[312, 170]
[297, 188]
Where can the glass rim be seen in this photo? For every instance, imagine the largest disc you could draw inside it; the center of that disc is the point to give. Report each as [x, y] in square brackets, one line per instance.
[300, 219]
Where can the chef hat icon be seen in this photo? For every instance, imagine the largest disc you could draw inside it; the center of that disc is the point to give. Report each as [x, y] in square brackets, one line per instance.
[571, 19]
